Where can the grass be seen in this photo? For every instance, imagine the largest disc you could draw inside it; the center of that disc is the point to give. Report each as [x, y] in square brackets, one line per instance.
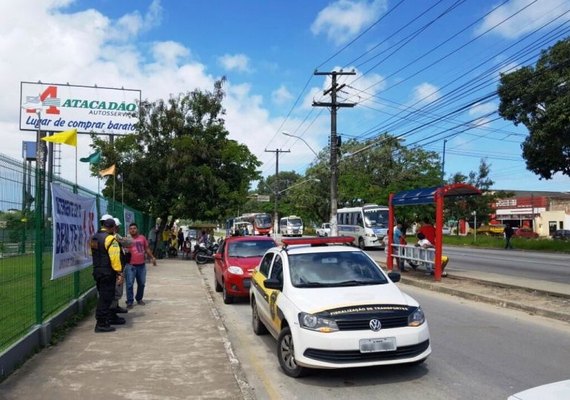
[497, 242]
[18, 298]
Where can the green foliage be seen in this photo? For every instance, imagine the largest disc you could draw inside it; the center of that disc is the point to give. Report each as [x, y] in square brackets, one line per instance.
[462, 207]
[181, 162]
[539, 98]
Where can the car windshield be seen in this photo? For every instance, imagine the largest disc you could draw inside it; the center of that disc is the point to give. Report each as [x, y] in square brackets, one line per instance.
[249, 248]
[334, 269]
[376, 217]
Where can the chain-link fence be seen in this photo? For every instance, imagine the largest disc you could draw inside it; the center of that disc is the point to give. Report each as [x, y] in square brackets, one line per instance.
[28, 295]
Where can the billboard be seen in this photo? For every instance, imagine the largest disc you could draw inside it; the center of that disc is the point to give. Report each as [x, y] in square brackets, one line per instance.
[89, 109]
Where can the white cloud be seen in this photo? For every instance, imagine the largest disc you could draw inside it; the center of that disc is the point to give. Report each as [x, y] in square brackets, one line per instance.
[482, 108]
[344, 19]
[425, 93]
[281, 96]
[526, 21]
[49, 43]
[236, 62]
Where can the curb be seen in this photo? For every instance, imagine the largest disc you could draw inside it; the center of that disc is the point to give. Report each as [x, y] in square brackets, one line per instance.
[239, 375]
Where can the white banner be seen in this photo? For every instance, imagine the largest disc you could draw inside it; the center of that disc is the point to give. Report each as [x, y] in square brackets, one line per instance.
[129, 219]
[88, 109]
[74, 222]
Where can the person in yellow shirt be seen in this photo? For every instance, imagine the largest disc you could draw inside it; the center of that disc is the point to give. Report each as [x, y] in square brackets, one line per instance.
[107, 272]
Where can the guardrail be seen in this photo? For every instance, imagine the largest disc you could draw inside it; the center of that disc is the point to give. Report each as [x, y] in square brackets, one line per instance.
[414, 253]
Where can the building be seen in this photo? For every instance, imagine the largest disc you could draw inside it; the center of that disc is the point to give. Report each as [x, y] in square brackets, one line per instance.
[544, 212]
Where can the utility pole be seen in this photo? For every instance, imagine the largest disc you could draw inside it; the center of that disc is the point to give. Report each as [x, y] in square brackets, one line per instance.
[443, 163]
[275, 191]
[334, 105]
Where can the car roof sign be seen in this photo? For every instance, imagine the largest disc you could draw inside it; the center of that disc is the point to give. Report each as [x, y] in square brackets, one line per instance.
[320, 241]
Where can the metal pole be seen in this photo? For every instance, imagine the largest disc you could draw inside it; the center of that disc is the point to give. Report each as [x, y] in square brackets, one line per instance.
[443, 162]
[39, 222]
[275, 214]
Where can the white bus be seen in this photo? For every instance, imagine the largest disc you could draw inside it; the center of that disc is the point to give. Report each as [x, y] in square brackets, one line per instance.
[291, 226]
[367, 224]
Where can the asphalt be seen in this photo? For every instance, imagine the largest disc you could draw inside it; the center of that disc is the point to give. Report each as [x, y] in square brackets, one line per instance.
[176, 346]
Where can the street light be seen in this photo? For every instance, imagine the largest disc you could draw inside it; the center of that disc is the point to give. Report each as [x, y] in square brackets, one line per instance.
[299, 183]
[301, 139]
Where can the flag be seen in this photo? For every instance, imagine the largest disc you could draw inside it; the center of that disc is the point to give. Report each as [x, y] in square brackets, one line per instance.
[108, 171]
[94, 158]
[66, 137]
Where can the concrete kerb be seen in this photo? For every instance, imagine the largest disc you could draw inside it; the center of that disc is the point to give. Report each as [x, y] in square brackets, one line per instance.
[239, 374]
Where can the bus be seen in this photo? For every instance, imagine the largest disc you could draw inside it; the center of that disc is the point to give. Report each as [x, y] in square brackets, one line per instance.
[367, 224]
[259, 223]
[291, 226]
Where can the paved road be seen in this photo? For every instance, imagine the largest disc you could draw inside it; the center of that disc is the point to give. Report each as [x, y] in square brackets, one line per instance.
[479, 352]
[552, 267]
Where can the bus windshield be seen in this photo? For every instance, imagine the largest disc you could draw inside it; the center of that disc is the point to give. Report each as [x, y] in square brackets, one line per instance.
[295, 222]
[263, 220]
[375, 217]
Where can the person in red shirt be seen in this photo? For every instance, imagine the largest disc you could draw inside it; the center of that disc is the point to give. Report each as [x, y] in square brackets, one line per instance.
[136, 268]
[428, 231]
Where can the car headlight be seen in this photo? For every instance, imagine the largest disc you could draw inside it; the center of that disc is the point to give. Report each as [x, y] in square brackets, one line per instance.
[316, 323]
[235, 270]
[417, 318]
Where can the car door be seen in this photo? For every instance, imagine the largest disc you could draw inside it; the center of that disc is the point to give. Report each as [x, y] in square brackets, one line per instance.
[260, 292]
[276, 272]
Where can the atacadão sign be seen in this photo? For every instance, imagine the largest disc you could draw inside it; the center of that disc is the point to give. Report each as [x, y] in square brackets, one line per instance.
[56, 107]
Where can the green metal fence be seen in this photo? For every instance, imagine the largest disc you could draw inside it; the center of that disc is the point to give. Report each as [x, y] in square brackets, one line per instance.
[28, 296]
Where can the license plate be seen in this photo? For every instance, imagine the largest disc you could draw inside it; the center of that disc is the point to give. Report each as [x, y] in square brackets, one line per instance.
[377, 345]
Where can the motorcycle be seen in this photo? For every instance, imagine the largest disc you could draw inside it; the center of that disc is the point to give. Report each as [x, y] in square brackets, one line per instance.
[204, 254]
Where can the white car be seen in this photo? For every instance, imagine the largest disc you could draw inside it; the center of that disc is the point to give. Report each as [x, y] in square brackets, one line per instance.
[552, 391]
[332, 306]
[324, 230]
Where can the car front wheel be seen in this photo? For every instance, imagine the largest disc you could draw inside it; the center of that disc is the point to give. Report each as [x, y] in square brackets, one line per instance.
[258, 327]
[217, 285]
[228, 299]
[286, 354]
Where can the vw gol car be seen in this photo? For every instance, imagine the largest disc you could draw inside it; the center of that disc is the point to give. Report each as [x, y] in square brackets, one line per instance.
[233, 263]
[331, 306]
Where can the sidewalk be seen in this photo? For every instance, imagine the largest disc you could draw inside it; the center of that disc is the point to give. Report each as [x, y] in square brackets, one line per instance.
[174, 347]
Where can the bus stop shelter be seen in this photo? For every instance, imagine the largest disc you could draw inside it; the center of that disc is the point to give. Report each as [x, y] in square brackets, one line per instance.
[432, 195]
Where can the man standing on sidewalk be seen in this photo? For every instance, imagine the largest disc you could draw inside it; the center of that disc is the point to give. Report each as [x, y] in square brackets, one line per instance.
[107, 273]
[119, 287]
[136, 269]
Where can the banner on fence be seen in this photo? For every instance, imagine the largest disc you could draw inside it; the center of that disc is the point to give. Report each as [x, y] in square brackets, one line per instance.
[129, 219]
[74, 222]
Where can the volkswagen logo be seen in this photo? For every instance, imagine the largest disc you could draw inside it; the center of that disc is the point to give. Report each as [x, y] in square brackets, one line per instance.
[375, 325]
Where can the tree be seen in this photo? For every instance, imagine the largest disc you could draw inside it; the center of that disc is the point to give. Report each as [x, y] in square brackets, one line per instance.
[180, 161]
[370, 176]
[539, 98]
[462, 207]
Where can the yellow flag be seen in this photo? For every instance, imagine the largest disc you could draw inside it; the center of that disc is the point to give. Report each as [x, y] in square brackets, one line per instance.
[66, 137]
[108, 171]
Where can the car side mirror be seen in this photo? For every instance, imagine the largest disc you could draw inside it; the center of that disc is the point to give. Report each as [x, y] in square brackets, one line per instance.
[273, 284]
[394, 276]
[217, 256]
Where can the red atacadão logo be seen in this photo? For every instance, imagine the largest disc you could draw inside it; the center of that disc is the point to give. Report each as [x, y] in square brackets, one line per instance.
[47, 99]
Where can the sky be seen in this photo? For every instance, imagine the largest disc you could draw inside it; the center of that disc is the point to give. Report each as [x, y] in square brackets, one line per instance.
[426, 71]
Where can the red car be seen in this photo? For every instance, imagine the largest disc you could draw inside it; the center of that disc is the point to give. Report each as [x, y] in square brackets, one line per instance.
[234, 262]
[525, 233]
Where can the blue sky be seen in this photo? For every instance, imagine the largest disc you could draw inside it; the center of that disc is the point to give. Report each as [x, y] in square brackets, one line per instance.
[425, 70]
